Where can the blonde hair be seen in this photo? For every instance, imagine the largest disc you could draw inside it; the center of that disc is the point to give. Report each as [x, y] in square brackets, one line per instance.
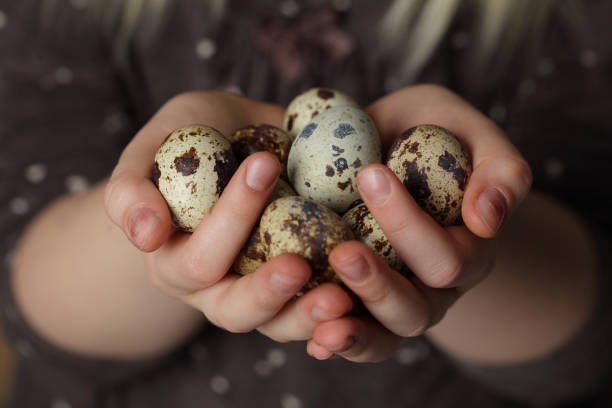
[412, 29]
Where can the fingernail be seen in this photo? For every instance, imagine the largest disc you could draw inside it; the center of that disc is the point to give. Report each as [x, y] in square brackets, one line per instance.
[350, 342]
[321, 315]
[491, 207]
[283, 284]
[141, 224]
[260, 174]
[355, 269]
[374, 185]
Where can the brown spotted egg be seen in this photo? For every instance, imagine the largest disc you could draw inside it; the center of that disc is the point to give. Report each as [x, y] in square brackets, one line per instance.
[326, 156]
[304, 107]
[300, 226]
[192, 167]
[262, 138]
[253, 254]
[367, 230]
[434, 166]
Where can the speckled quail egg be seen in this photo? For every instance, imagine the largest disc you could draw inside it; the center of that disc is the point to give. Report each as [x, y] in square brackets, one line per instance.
[367, 230]
[300, 226]
[304, 107]
[326, 156]
[434, 166]
[262, 138]
[253, 254]
[192, 167]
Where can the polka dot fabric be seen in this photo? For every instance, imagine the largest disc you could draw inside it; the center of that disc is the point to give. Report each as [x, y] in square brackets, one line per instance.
[67, 110]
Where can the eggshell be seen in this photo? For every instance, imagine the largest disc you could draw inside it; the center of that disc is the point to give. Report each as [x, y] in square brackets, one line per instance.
[192, 167]
[300, 226]
[367, 230]
[262, 138]
[304, 107]
[326, 156]
[253, 253]
[434, 166]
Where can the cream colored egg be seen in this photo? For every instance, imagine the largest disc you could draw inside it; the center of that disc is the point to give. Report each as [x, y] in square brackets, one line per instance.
[367, 230]
[253, 253]
[300, 226]
[326, 156]
[304, 107]
[434, 166]
[192, 167]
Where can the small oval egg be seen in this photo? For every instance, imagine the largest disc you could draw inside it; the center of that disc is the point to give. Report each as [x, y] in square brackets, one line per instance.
[367, 230]
[326, 156]
[192, 167]
[253, 253]
[434, 166]
[300, 226]
[304, 107]
[262, 138]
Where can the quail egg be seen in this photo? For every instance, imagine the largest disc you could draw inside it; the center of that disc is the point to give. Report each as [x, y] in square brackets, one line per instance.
[300, 226]
[326, 156]
[253, 254]
[262, 138]
[434, 166]
[367, 230]
[304, 107]
[192, 167]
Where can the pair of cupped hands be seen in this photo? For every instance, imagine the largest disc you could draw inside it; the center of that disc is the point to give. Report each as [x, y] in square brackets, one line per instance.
[446, 262]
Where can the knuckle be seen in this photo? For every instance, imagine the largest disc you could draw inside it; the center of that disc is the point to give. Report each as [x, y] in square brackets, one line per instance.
[519, 170]
[191, 266]
[422, 320]
[445, 273]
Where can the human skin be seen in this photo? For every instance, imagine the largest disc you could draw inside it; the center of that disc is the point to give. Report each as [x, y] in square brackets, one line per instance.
[142, 296]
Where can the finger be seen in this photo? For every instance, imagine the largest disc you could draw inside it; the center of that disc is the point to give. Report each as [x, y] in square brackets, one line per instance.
[501, 178]
[424, 246]
[240, 304]
[131, 199]
[298, 320]
[317, 351]
[198, 260]
[391, 298]
[355, 339]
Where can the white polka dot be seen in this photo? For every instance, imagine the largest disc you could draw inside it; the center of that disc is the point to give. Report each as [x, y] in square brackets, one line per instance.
[291, 401]
[60, 403]
[205, 48]
[460, 40]
[527, 87]
[233, 89]
[24, 348]
[63, 75]
[342, 5]
[289, 8]
[411, 354]
[263, 368]
[554, 168]
[19, 206]
[497, 112]
[589, 58]
[3, 19]
[35, 173]
[545, 67]
[76, 184]
[219, 384]
[277, 357]
[115, 122]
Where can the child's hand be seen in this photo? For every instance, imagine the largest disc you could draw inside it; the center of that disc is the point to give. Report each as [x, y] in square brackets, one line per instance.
[193, 267]
[446, 261]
